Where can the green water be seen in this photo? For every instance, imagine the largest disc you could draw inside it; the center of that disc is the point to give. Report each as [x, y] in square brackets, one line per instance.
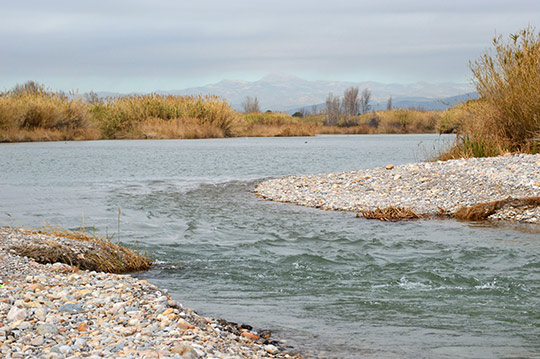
[331, 285]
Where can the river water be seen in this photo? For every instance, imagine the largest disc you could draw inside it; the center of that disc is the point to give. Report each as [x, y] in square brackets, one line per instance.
[331, 285]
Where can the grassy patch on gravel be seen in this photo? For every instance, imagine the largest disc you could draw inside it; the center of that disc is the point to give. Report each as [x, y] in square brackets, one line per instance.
[80, 250]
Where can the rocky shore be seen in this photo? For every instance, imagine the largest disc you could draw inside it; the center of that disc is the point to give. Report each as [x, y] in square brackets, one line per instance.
[427, 188]
[58, 311]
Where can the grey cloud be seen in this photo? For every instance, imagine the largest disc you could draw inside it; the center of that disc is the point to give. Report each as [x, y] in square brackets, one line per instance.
[188, 42]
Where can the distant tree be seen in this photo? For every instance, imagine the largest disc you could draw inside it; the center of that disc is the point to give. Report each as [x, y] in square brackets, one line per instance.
[298, 114]
[418, 108]
[364, 101]
[251, 104]
[350, 103]
[314, 110]
[29, 88]
[389, 104]
[92, 98]
[333, 110]
[268, 111]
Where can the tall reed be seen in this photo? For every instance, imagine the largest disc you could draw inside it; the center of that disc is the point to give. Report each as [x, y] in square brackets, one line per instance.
[30, 112]
[123, 117]
[508, 83]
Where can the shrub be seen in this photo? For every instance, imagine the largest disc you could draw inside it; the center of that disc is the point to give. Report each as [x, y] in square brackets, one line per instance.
[120, 117]
[29, 107]
[373, 120]
[508, 83]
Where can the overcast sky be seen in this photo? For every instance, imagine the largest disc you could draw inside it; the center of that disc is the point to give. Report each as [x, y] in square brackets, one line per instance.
[131, 45]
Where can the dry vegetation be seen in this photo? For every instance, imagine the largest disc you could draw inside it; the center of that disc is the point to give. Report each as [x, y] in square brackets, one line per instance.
[30, 112]
[275, 124]
[482, 211]
[390, 214]
[506, 118]
[157, 116]
[92, 253]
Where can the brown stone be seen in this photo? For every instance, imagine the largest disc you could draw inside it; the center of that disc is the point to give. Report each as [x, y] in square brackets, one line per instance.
[167, 312]
[83, 327]
[250, 335]
[182, 324]
[36, 287]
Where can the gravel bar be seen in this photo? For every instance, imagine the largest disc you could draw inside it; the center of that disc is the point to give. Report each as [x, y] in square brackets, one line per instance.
[55, 311]
[428, 188]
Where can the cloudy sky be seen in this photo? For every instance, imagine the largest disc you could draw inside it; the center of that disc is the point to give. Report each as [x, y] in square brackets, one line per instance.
[131, 45]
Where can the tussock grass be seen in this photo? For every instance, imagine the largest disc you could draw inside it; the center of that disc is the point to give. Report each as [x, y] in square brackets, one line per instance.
[274, 124]
[124, 117]
[43, 134]
[508, 83]
[482, 211]
[467, 146]
[350, 130]
[390, 214]
[96, 254]
[506, 117]
[186, 128]
[405, 121]
[29, 115]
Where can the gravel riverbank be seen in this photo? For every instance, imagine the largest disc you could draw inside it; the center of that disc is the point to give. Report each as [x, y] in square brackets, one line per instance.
[428, 188]
[56, 311]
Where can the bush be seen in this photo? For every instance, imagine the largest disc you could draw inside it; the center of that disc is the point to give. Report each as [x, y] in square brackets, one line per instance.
[373, 120]
[508, 84]
[119, 117]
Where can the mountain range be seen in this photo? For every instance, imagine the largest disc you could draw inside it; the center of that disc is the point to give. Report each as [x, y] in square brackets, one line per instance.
[287, 93]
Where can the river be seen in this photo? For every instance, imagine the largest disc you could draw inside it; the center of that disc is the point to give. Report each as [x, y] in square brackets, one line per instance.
[329, 284]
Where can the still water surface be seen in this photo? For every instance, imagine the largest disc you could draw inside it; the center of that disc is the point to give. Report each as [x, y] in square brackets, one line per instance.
[332, 285]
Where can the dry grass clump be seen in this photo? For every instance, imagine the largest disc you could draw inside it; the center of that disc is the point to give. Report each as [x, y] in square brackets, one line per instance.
[125, 117]
[404, 121]
[29, 112]
[43, 134]
[468, 146]
[350, 130]
[92, 253]
[508, 83]
[272, 124]
[379, 122]
[482, 211]
[506, 117]
[185, 128]
[390, 214]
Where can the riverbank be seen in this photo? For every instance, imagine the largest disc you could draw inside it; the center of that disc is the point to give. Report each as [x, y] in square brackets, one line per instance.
[32, 113]
[58, 311]
[427, 188]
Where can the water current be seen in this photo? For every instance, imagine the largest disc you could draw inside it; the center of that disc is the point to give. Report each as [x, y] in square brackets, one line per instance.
[329, 284]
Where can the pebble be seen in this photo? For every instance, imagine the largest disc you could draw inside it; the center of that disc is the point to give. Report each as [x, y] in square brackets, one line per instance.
[428, 188]
[68, 313]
